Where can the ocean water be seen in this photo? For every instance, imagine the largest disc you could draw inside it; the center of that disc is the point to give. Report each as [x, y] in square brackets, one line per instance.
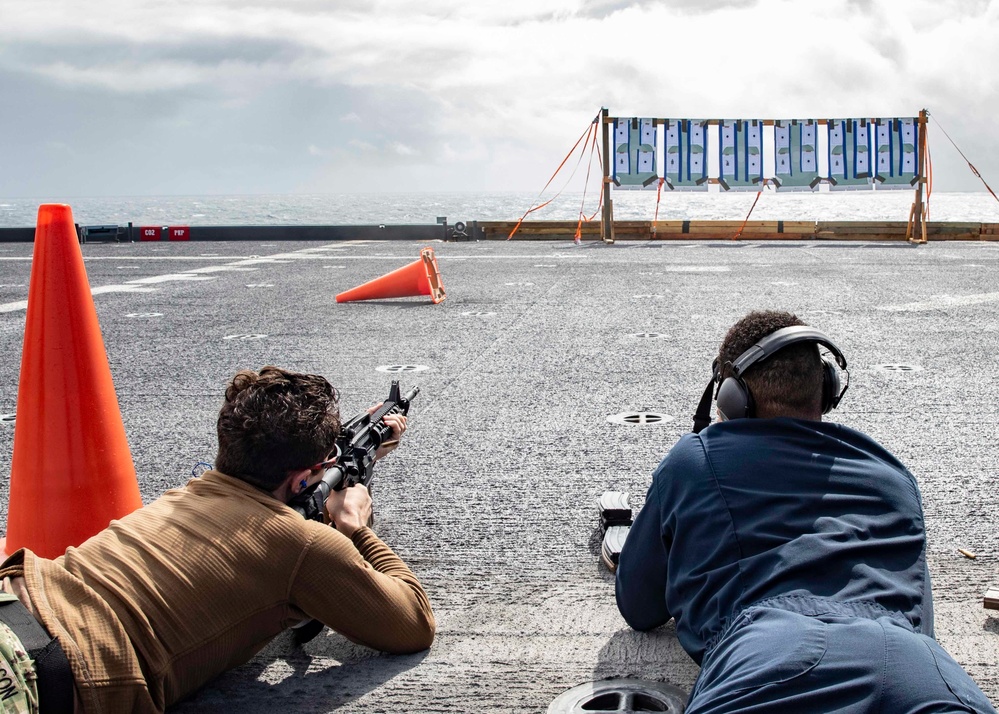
[410, 208]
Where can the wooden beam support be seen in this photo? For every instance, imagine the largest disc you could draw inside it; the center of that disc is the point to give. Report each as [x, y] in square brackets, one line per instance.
[607, 216]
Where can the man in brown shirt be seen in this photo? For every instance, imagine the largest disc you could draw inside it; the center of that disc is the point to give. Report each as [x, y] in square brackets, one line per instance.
[200, 580]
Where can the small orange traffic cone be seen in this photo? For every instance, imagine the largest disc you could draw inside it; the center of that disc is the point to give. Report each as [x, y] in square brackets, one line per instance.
[421, 277]
[71, 470]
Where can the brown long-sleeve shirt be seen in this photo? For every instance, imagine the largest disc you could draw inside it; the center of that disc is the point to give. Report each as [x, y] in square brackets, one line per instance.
[200, 580]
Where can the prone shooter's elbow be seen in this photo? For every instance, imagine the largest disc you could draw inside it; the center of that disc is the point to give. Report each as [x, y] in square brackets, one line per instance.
[417, 638]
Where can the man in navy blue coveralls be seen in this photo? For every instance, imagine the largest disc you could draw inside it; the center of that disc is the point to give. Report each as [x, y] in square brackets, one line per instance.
[791, 554]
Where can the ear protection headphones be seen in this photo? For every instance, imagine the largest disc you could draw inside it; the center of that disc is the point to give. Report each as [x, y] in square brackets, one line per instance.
[734, 399]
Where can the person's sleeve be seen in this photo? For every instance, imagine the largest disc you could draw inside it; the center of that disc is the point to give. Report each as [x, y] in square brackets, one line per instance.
[926, 625]
[641, 571]
[926, 620]
[363, 590]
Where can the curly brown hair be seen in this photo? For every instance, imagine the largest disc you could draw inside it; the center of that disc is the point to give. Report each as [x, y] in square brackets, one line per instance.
[789, 383]
[275, 421]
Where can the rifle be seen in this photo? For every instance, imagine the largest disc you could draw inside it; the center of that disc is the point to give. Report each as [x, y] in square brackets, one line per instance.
[359, 441]
[357, 444]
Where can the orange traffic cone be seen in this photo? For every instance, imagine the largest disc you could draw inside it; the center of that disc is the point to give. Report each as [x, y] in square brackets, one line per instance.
[421, 277]
[71, 470]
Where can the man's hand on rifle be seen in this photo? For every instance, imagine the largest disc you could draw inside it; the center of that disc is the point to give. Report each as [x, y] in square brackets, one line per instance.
[349, 508]
[398, 424]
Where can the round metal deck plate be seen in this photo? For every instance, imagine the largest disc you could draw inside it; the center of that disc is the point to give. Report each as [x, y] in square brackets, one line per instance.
[900, 368]
[639, 418]
[144, 314]
[7, 418]
[649, 335]
[244, 337]
[620, 695]
[396, 368]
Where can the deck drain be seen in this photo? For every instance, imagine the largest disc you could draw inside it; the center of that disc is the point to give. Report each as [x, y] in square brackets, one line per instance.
[639, 418]
[649, 335]
[144, 314]
[652, 296]
[620, 695]
[260, 285]
[395, 368]
[6, 418]
[250, 336]
[519, 285]
[478, 314]
[545, 265]
[899, 367]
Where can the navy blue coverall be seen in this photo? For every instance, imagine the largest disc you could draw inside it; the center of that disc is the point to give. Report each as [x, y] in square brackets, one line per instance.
[791, 555]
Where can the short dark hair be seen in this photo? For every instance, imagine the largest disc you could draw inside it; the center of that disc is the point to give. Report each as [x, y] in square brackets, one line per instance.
[275, 421]
[789, 383]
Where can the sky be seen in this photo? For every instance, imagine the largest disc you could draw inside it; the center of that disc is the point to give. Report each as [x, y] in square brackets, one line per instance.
[193, 97]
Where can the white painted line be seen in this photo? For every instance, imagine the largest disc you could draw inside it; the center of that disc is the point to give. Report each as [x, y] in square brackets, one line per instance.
[259, 261]
[164, 258]
[23, 304]
[170, 277]
[136, 286]
[942, 301]
[221, 269]
[120, 289]
[696, 268]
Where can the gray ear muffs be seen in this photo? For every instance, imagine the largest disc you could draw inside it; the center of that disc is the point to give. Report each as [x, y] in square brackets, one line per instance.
[735, 401]
[832, 391]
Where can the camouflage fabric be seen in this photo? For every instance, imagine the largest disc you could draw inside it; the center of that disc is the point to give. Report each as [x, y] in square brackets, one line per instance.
[18, 681]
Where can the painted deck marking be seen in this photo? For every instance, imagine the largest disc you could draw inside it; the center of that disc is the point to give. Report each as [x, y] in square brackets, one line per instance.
[941, 301]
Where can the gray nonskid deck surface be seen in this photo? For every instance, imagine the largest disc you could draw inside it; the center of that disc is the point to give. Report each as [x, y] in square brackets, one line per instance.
[491, 498]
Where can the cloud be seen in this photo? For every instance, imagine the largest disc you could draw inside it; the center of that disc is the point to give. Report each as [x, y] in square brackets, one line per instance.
[476, 94]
